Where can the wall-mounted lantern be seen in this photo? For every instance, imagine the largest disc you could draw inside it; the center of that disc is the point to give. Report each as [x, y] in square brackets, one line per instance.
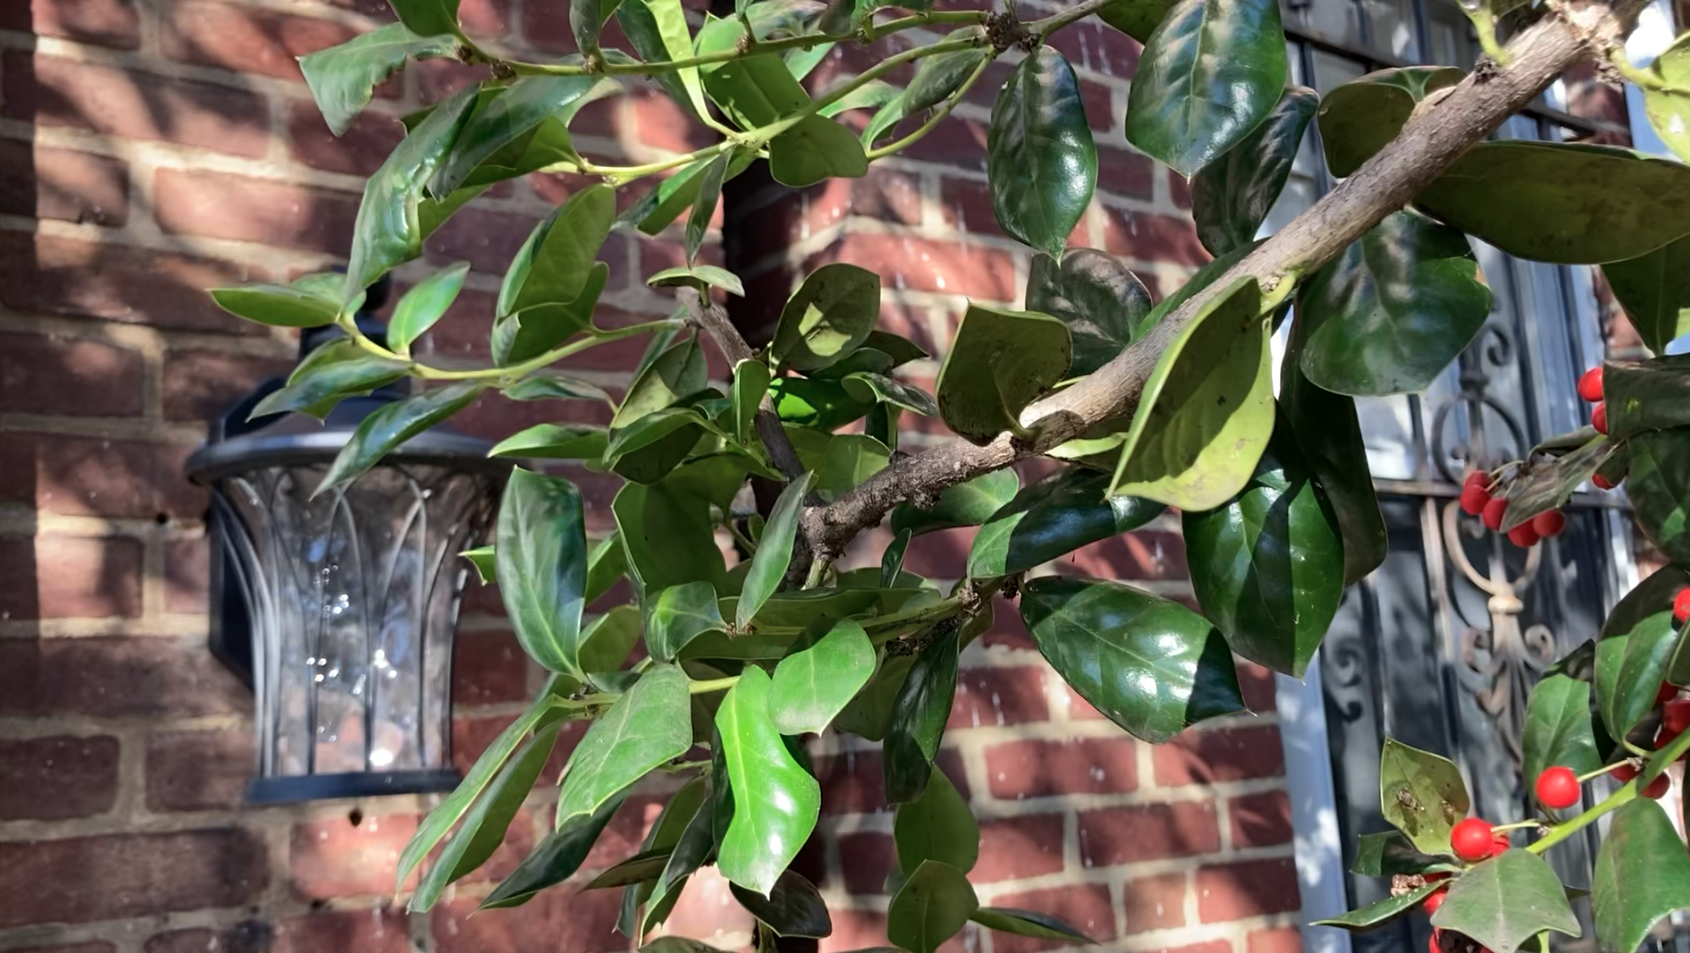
[339, 611]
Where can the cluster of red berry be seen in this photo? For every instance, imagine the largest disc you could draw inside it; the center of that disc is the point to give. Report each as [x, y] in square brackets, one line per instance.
[1477, 501]
[1590, 391]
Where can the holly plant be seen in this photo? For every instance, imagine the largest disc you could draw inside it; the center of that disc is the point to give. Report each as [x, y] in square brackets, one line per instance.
[745, 635]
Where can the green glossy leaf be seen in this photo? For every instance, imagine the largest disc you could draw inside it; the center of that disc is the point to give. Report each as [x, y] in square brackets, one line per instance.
[587, 18]
[648, 725]
[427, 17]
[850, 459]
[1205, 414]
[678, 944]
[1566, 203]
[1031, 923]
[335, 370]
[677, 373]
[1268, 567]
[1558, 728]
[691, 850]
[1393, 310]
[669, 536]
[643, 866]
[1358, 118]
[1642, 875]
[423, 305]
[480, 775]
[1151, 666]
[541, 554]
[1650, 601]
[657, 29]
[1041, 162]
[793, 907]
[657, 208]
[1629, 671]
[551, 385]
[1504, 901]
[1543, 484]
[343, 78]
[553, 271]
[1669, 109]
[1648, 395]
[483, 828]
[1380, 911]
[938, 825]
[511, 115]
[1654, 289]
[555, 860]
[699, 276]
[704, 205]
[646, 450]
[868, 387]
[1100, 301]
[753, 91]
[830, 316]
[663, 839]
[1390, 853]
[870, 713]
[607, 561]
[389, 229]
[774, 551]
[932, 906]
[776, 802]
[818, 406]
[277, 305]
[815, 150]
[1421, 794]
[1051, 519]
[867, 96]
[481, 557]
[1231, 196]
[936, 80]
[390, 426]
[917, 723]
[1659, 486]
[553, 442]
[1210, 74]
[1136, 18]
[999, 362]
[606, 644]
[680, 614]
[966, 504]
[813, 684]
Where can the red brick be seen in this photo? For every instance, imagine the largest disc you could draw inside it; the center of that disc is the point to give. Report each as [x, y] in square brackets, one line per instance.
[942, 554]
[707, 907]
[1099, 103]
[559, 919]
[488, 667]
[1124, 835]
[1212, 946]
[1143, 555]
[1276, 940]
[53, 374]
[1015, 847]
[198, 770]
[866, 929]
[1029, 768]
[1248, 889]
[245, 39]
[63, 184]
[382, 929]
[867, 857]
[135, 285]
[58, 777]
[487, 240]
[91, 476]
[1258, 685]
[999, 696]
[1260, 820]
[1126, 173]
[98, 946]
[115, 678]
[957, 142]
[921, 264]
[1153, 903]
[851, 782]
[1226, 754]
[235, 207]
[546, 26]
[187, 583]
[359, 151]
[333, 858]
[1146, 236]
[966, 205]
[202, 385]
[115, 876]
[88, 578]
[1093, 47]
[49, 91]
[1085, 907]
[660, 123]
[1180, 188]
[114, 23]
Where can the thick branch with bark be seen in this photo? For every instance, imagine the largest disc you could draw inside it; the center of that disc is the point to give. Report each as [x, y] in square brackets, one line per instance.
[715, 323]
[1569, 34]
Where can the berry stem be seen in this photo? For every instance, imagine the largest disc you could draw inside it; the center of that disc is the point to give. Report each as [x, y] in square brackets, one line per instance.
[1562, 831]
[1599, 772]
[1516, 826]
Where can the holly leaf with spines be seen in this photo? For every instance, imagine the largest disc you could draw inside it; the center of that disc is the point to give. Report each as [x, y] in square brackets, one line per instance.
[1421, 794]
[1642, 875]
[1506, 900]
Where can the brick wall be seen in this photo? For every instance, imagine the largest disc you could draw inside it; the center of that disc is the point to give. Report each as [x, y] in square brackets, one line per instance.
[152, 148]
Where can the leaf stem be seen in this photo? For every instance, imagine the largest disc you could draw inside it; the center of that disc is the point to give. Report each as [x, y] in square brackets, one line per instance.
[1516, 826]
[938, 115]
[1640, 77]
[713, 685]
[1566, 829]
[1048, 25]
[593, 339]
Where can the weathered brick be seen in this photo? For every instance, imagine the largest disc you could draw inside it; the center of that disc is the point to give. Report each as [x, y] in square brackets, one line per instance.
[999, 696]
[851, 782]
[1259, 686]
[240, 208]
[563, 919]
[1260, 820]
[1033, 768]
[1027, 845]
[1085, 907]
[58, 577]
[109, 677]
[63, 184]
[1275, 940]
[332, 857]
[957, 142]
[1153, 903]
[488, 240]
[1247, 889]
[922, 264]
[1144, 555]
[866, 929]
[50, 91]
[113, 876]
[201, 385]
[93, 476]
[866, 857]
[1098, 101]
[1226, 754]
[96, 946]
[1180, 188]
[659, 122]
[58, 777]
[1146, 236]
[707, 907]
[546, 27]
[245, 39]
[966, 205]
[1124, 835]
[359, 151]
[113, 23]
[187, 576]
[1126, 173]
[939, 555]
[248, 936]
[381, 929]
[488, 667]
[53, 374]
[198, 770]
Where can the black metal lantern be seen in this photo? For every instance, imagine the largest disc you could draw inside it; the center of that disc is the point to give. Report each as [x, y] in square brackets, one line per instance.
[339, 611]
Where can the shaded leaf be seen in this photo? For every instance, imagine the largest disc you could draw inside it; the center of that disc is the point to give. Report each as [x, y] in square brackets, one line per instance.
[1547, 484]
[1096, 296]
[553, 442]
[774, 552]
[555, 860]
[1659, 486]
[541, 554]
[1558, 728]
[1358, 118]
[1390, 853]
[390, 426]
[969, 503]
[829, 316]
[648, 725]
[1647, 395]
[1642, 875]
[335, 370]
[423, 305]
[1654, 289]
[704, 205]
[1031, 923]
[677, 373]
[917, 723]
[1630, 669]
[938, 825]
[1052, 518]
[555, 269]
[815, 150]
[1231, 196]
[643, 866]
[814, 683]
[868, 387]
[793, 907]
[1041, 162]
[680, 614]
[427, 17]
[1421, 794]
[932, 906]
[1136, 18]
[999, 362]
[775, 801]
[498, 124]
[1381, 911]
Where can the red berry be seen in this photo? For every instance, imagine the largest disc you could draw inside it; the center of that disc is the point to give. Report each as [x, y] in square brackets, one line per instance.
[1523, 536]
[1590, 385]
[1558, 787]
[1675, 717]
[1602, 482]
[1549, 523]
[1436, 900]
[1499, 844]
[1623, 772]
[1681, 606]
[1668, 691]
[1493, 513]
[1432, 944]
[1471, 839]
[1599, 418]
[1657, 787]
[1435, 876]
[1473, 499]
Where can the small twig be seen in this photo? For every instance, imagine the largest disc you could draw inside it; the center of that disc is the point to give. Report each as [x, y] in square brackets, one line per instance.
[715, 323]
